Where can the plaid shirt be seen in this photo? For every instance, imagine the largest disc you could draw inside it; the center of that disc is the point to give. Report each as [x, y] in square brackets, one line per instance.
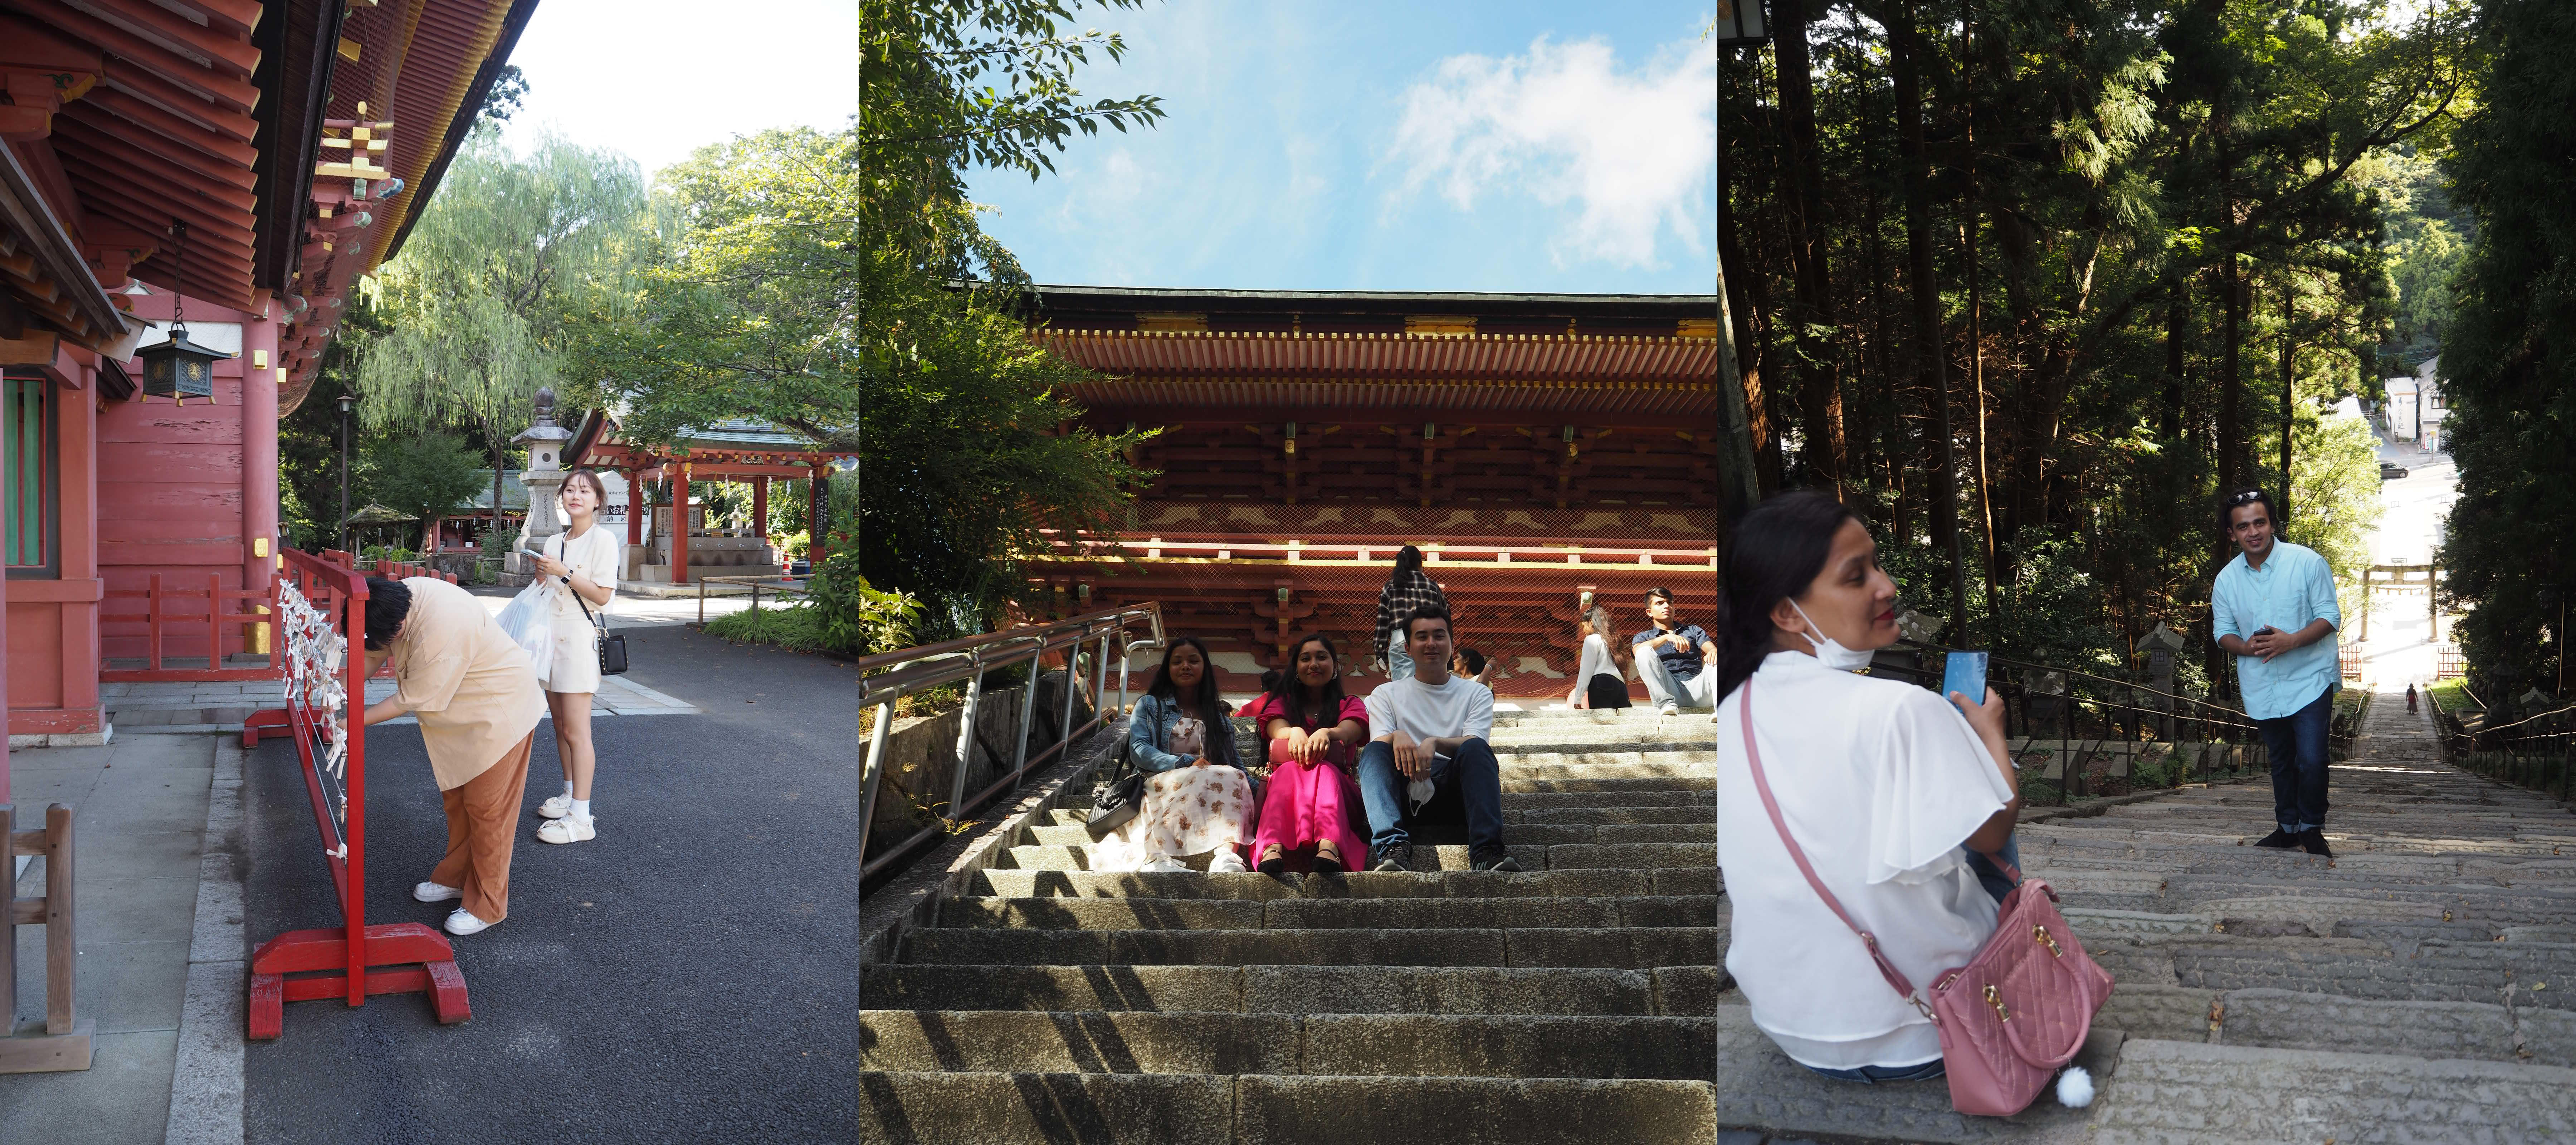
[1399, 598]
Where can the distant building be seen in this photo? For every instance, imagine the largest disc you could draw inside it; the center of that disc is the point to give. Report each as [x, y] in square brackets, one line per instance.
[2415, 405]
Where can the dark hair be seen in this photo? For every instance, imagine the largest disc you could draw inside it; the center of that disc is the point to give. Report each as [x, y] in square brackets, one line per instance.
[1777, 551]
[388, 602]
[1474, 660]
[1287, 690]
[2228, 505]
[1407, 559]
[1439, 612]
[1665, 593]
[1211, 706]
[598, 488]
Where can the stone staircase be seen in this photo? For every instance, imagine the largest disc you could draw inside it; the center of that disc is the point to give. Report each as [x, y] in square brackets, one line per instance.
[1574, 1001]
[2421, 986]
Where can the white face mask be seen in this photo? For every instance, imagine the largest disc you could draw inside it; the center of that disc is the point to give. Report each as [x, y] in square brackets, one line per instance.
[1830, 651]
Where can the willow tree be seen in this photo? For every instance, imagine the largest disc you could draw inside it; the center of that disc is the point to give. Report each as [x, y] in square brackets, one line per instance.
[481, 302]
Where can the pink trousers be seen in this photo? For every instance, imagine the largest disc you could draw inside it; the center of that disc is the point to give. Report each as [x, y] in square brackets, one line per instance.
[1304, 805]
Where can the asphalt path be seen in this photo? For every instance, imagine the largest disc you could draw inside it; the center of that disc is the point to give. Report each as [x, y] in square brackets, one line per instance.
[689, 975]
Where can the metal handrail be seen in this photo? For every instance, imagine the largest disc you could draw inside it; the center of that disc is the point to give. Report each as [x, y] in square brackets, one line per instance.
[889, 676]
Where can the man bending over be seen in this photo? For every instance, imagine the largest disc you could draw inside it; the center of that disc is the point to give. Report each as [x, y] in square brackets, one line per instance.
[1430, 760]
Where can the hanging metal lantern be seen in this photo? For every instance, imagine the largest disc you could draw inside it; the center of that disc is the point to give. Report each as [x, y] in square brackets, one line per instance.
[179, 368]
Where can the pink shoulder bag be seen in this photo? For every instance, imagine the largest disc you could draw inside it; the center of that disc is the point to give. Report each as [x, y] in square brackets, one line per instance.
[2013, 1015]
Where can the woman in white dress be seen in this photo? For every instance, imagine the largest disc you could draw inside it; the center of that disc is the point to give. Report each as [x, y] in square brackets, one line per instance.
[1197, 799]
[585, 559]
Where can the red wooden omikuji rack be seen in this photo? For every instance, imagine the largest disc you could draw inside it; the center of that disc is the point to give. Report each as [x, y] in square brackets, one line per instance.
[351, 960]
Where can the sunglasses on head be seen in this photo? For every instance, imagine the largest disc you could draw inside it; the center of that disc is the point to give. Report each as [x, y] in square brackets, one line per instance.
[2247, 497]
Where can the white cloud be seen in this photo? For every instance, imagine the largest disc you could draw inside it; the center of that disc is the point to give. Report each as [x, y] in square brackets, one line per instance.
[1562, 123]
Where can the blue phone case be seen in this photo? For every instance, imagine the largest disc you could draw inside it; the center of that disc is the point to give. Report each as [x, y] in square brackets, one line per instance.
[1965, 674]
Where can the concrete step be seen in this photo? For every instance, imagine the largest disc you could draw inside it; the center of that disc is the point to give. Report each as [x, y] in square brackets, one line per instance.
[1594, 882]
[940, 1108]
[1692, 783]
[2438, 971]
[2181, 1091]
[1693, 814]
[1757, 1085]
[1550, 799]
[1444, 857]
[1307, 913]
[1541, 834]
[1649, 769]
[1628, 948]
[1684, 991]
[1513, 755]
[1416, 1045]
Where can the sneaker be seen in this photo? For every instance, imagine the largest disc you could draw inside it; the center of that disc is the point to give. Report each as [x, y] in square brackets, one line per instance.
[555, 807]
[2313, 840]
[1671, 709]
[2279, 839]
[1164, 864]
[1226, 861]
[1496, 861]
[1391, 857]
[462, 922]
[569, 829]
[433, 892]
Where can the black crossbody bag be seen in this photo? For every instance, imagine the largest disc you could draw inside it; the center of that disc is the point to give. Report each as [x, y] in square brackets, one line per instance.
[611, 645]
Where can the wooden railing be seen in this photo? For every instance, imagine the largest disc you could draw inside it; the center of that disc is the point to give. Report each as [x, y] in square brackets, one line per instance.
[217, 616]
[65, 1042]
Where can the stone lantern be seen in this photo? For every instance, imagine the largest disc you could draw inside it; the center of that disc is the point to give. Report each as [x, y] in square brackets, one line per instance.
[544, 477]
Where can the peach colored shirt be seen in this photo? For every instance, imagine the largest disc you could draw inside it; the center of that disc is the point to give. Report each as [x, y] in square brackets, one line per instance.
[471, 687]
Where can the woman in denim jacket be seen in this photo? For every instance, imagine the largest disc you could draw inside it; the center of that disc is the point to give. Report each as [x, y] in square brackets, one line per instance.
[1197, 798]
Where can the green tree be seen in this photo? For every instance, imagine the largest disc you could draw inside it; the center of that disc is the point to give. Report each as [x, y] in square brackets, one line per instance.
[478, 302]
[426, 475]
[2509, 357]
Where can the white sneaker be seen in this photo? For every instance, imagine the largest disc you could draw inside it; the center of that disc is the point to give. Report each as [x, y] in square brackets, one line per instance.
[1671, 709]
[462, 922]
[555, 807]
[569, 829]
[1226, 861]
[433, 892]
[1163, 864]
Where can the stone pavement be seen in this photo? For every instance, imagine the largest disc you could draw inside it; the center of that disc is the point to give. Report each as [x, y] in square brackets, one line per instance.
[139, 838]
[1573, 1002]
[2421, 986]
[151, 708]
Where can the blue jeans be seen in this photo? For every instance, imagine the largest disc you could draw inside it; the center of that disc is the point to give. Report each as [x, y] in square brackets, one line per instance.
[1467, 785]
[1876, 1074]
[1991, 876]
[2298, 745]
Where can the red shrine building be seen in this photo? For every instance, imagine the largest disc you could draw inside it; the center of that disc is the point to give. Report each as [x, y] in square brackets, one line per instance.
[236, 163]
[1541, 450]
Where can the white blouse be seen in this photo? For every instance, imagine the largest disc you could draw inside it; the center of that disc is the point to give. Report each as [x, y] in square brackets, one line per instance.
[597, 554]
[1596, 661]
[1881, 783]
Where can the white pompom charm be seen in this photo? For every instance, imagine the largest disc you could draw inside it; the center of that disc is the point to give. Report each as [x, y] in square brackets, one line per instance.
[2075, 1088]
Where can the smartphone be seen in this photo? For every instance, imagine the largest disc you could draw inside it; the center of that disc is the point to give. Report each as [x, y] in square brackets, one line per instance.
[1965, 674]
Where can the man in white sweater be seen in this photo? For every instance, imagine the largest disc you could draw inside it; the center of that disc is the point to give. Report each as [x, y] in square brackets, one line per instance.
[1428, 758]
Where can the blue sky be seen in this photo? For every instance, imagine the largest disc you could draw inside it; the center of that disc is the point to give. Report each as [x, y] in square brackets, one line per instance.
[1485, 145]
[1480, 145]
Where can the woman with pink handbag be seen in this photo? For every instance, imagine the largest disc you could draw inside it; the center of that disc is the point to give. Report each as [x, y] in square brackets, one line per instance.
[1850, 810]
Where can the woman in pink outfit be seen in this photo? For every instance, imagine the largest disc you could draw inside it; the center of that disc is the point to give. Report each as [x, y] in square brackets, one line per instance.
[1315, 733]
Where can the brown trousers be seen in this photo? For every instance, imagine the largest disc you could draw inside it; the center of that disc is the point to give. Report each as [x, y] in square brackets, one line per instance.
[482, 822]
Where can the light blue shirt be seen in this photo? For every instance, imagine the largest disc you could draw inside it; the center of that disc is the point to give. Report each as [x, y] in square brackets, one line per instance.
[2293, 587]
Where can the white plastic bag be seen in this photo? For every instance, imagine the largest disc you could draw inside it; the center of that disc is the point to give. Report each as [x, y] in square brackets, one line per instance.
[529, 619]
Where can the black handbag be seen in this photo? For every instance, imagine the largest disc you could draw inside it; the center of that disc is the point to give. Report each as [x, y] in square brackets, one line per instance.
[1119, 801]
[611, 645]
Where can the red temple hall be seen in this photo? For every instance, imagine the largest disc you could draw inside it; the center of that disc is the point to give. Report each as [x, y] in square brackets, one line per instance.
[236, 164]
[1539, 449]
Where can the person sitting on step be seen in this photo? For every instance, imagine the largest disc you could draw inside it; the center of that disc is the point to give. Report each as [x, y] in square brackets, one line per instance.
[1471, 664]
[1314, 731]
[1429, 759]
[1895, 796]
[1197, 799]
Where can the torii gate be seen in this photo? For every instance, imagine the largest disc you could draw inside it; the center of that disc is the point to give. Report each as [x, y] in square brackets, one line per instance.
[2402, 578]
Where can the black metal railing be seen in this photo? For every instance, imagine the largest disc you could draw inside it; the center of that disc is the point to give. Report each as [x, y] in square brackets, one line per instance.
[2089, 706]
[2533, 751]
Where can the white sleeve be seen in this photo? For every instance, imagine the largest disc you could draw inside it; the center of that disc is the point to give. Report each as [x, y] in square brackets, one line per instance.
[1596, 661]
[1934, 785]
[606, 557]
[1381, 716]
[1480, 713]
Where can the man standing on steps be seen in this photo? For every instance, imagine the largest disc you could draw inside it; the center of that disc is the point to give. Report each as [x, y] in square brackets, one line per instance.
[1678, 661]
[1430, 758]
[2273, 606]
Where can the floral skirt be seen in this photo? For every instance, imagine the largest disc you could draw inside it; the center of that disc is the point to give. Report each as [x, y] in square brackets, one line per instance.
[1186, 811]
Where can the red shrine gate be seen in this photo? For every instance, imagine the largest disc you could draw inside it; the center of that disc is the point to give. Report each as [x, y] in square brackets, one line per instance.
[1536, 447]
